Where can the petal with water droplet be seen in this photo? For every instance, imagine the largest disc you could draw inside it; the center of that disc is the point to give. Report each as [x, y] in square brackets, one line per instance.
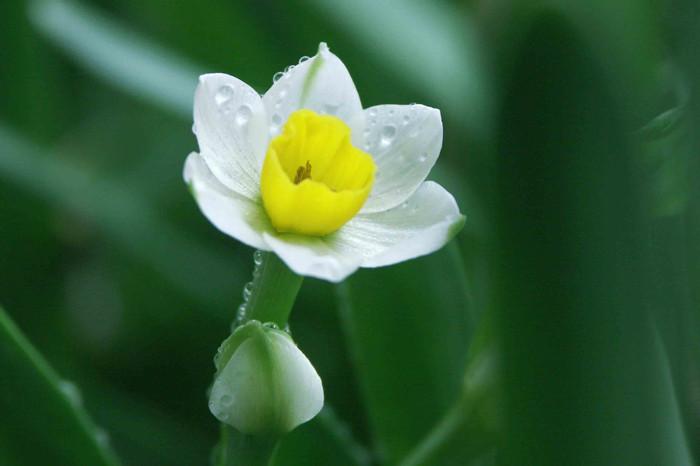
[312, 256]
[405, 142]
[419, 226]
[233, 214]
[231, 128]
[321, 83]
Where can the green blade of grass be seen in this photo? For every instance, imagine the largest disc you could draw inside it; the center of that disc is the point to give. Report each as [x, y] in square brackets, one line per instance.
[117, 55]
[41, 422]
[122, 216]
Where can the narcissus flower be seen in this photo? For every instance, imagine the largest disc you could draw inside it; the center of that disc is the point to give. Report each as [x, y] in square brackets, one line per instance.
[305, 172]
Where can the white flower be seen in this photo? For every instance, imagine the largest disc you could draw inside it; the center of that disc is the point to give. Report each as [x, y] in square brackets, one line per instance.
[264, 384]
[325, 207]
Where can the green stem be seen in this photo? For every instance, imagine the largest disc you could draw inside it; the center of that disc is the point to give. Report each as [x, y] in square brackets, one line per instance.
[273, 290]
[237, 449]
[270, 298]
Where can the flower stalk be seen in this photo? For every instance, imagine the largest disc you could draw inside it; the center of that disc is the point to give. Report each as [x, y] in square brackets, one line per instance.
[271, 295]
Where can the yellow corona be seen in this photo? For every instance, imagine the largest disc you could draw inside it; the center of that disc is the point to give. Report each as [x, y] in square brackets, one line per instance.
[313, 179]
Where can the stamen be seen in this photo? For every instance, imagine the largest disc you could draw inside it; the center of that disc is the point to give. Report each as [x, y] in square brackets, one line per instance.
[303, 173]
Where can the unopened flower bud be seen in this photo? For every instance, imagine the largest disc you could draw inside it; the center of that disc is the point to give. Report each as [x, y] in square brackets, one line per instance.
[264, 383]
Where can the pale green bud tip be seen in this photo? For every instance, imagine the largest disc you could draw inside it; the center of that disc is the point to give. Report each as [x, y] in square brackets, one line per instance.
[264, 383]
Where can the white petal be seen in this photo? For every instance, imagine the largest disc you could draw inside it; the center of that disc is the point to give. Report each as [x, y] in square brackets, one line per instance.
[405, 142]
[233, 214]
[268, 385]
[419, 226]
[306, 398]
[313, 256]
[231, 127]
[321, 83]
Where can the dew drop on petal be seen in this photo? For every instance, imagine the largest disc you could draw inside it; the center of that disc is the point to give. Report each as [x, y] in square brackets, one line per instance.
[372, 112]
[388, 135]
[224, 94]
[277, 76]
[303, 59]
[277, 119]
[423, 157]
[406, 119]
[243, 115]
[226, 400]
[331, 108]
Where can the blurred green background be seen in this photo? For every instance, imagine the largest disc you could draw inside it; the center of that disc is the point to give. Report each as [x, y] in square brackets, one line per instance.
[570, 144]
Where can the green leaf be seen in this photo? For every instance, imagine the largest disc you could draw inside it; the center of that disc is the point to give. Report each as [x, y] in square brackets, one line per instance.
[117, 55]
[584, 380]
[408, 327]
[43, 421]
[122, 216]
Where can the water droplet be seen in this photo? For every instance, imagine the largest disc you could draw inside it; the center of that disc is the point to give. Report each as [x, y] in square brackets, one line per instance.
[368, 146]
[241, 313]
[372, 112]
[224, 94]
[277, 119]
[373, 121]
[243, 115]
[223, 416]
[247, 291]
[277, 76]
[71, 391]
[415, 132]
[331, 108]
[194, 129]
[406, 119]
[391, 112]
[271, 325]
[423, 157]
[303, 59]
[288, 69]
[404, 205]
[226, 400]
[367, 132]
[283, 93]
[258, 258]
[388, 134]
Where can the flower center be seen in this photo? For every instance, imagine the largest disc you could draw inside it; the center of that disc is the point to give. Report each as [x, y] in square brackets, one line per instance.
[313, 179]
